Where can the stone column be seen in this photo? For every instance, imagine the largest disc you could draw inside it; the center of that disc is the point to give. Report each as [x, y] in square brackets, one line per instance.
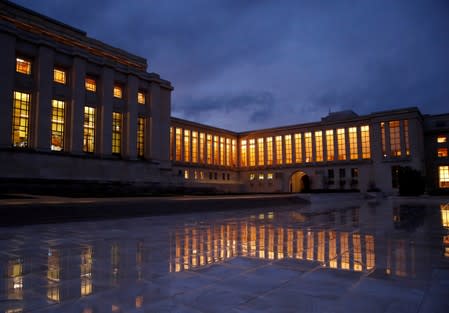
[41, 121]
[75, 118]
[324, 142]
[130, 120]
[7, 74]
[359, 142]
[104, 114]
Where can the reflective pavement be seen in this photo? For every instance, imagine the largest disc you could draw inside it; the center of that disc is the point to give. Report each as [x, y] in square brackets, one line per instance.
[361, 257]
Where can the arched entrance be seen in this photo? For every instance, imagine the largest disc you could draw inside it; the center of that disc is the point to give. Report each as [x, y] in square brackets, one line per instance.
[299, 182]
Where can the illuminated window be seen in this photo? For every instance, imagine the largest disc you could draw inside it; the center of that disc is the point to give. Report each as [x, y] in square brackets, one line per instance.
[86, 271]
[53, 275]
[57, 125]
[442, 152]
[234, 152]
[186, 174]
[89, 129]
[228, 152]
[344, 250]
[140, 97]
[260, 152]
[171, 144]
[357, 252]
[308, 146]
[353, 149]
[341, 144]
[23, 66]
[319, 146]
[216, 150]
[384, 143]
[20, 119]
[288, 149]
[252, 176]
[370, 253]
[194, 146]
[141, 137]
[443, 176]
[407, 139]
[252, 152]
[186, 145]
[91, 84]
[444, 208]
[269, 141]
[202, 146]
[209, 149]
[261, 176]
[330, 145]
[270, 176]
[298, 148]
[332, 249]
[366, 144]
[279, 159]
[222, 151]
[243, 153]
[59, 76]
[118, 92]
[15, 279]
[395, 138]
[178, 142]
[116, 132]
[441, 139]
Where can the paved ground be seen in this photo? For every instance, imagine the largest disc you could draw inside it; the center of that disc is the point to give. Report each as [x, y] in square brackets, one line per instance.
[387, 256]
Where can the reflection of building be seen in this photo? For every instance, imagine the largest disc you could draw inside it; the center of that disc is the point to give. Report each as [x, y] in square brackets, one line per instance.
[78, 109]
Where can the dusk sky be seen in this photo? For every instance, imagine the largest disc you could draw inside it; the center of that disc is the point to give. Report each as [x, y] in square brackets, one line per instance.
[244, 64]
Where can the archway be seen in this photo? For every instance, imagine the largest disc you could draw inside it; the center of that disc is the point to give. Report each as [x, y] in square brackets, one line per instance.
[299, 182]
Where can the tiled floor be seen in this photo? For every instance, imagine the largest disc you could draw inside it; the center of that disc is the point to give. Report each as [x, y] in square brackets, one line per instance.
[357, 257]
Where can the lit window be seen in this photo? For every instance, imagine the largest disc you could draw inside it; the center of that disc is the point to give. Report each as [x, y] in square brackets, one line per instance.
[298, 148]
[288, 149]
[186, 145]
[234, 152]
[443, 176]
[89, 129]
[59, 76]
[407, 139]
[261, 176]
[186, 174]
[116, 132]
[308, 146]
[395, 138]
[442, 152]
[228, 152]
[270, 176]
[140, 97]
[117, 92]
[441, 139]
[252, 152]
[341, 144]
[178, 142]
[260, 150]
[319, 146]
[222, 151]
[141, 136]
[269, 141]
[330, 145]
[216, 148]
[353, 149]
[209, 149]
[57, 125]
[365, 138]
[91, 84]
[243, 153]
[384, 143]
[23, 66]
[279, 159]
[20, 119]
[252, 176]
[194, 146]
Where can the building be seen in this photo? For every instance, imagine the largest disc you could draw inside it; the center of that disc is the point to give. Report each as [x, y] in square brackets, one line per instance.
[83, 111]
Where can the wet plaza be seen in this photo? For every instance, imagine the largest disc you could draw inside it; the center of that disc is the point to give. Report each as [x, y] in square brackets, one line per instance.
[353, 256]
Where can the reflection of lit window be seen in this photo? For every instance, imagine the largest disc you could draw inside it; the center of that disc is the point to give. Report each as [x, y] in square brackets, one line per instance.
[23, 66]
[15, 279]
[442, 152]
[86, 271]
[252, 176]
[118, 92]
[441, 139]
[370, 254]
[90, 84]
[139, 302]
[59, 76]
[443, 176]
[357, 252]
[344, 250]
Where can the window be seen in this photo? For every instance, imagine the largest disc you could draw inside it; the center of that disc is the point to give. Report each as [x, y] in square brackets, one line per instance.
[59, 76]
[308, 146]
[91, 84]
[186, 145]
[269, 141]
[441, 139]
[178, 142]
[384, 143]
[261, 176]
[171, 144]
[89, 129]
[202, 146]
[194, 147]
[319, 146]
[279, 159]
[186, 174]
[270, 176]
[234, 152]
[252, 152]
[209, 149]
[342, 173]
[354, 172]
[443, 176]
[252, 176]
[216, 148]
[288, 149]
[243, 153]
[57, 125]
[442, 152]
[116, 132]
[353, 149]
[140, 97]
[406, 136]
[366, 144]
[341, 144]
[23, 66]
[395, 138]
[260, 150]
[20, 119]
[330, 145]
[330, 173]
[298, 148]
[228, 152]
[117, 92]
[222, 151]
[141, 137]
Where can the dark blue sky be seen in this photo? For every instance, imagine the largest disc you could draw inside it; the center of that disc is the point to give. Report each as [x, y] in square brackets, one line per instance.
[243, 64]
